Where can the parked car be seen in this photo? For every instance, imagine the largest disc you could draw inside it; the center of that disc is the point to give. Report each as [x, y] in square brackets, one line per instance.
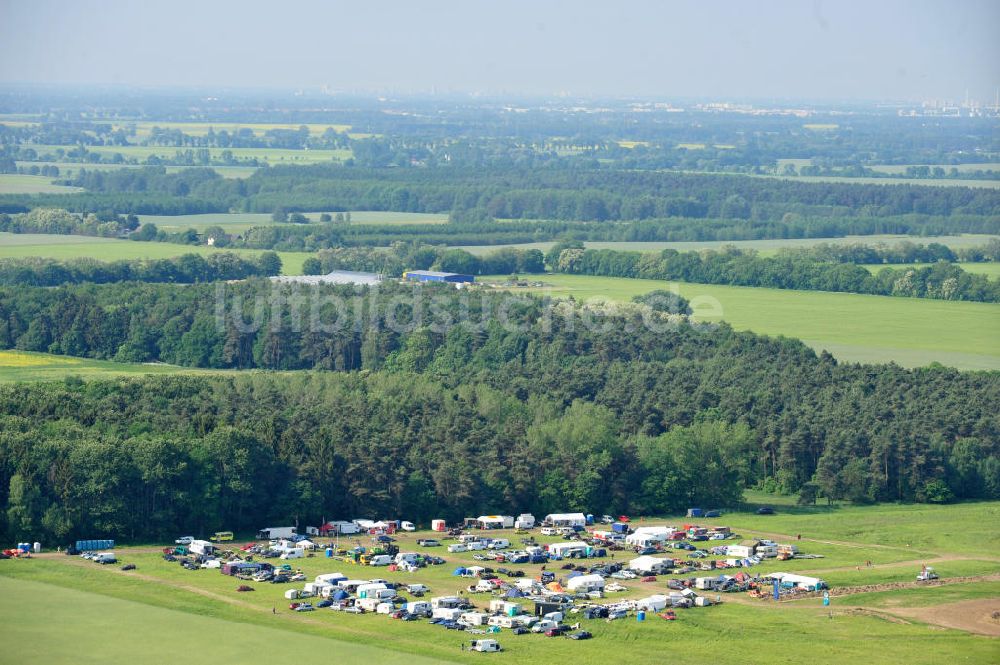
[557, 631]
[713, 513]
[185, 540]
[669, 615]
[617, 614]
[428, 542]
[624, 575]
[926, 575]
[765, 510]
[580, 635]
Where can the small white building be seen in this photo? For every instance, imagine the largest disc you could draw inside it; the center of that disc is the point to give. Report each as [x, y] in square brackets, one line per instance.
[647, 536]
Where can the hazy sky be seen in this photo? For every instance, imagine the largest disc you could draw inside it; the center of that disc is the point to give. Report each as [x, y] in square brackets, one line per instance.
[840, 49]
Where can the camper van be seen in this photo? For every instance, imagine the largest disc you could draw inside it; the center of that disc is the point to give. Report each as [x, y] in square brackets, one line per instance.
[456, 548]
[380, 560]
[292, 553]
[499, 544]
[524, 521]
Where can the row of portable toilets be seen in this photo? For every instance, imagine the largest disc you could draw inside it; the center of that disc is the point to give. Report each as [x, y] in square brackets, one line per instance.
[29, 547]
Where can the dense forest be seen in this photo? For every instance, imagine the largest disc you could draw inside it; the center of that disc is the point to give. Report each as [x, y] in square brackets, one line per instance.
[538, 410]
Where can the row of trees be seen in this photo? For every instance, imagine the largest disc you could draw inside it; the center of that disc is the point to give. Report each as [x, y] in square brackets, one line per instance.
[185, 269]
[792, 269]
[549, 414]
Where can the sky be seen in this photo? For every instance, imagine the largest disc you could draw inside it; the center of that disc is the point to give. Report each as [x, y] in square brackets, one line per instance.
[750, 49]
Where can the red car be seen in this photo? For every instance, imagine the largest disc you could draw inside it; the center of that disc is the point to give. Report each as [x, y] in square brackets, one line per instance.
[648, 578]
[669, 615]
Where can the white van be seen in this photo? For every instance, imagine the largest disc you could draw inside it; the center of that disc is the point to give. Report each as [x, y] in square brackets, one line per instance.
[549, 531]
[543, 626]
[456, 548]
[475, 545]
[380, 560]
[499, 544]
[293, 553]
[485, 646]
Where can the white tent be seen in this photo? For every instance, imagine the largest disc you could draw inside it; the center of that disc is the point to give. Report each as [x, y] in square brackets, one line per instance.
[649, 564]
[495, 521]
[647, 535]
[585, 583]
[566, 519]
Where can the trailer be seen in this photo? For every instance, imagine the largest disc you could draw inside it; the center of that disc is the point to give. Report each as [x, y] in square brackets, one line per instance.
[94, 545]
[276, 532]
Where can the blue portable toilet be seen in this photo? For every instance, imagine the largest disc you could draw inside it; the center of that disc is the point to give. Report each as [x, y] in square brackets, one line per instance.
[590, 519]
[459, 571]
[329, 552]
[640, 615]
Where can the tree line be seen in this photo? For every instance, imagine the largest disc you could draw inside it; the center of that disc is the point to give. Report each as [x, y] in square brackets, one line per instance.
[791, 269]
[184, 269]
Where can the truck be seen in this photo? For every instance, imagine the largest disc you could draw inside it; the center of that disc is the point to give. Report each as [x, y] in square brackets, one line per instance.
[276, 532]
[201, 547]
[223, 536]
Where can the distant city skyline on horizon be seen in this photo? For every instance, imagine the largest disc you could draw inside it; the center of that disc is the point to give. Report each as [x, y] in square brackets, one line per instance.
[825, 51]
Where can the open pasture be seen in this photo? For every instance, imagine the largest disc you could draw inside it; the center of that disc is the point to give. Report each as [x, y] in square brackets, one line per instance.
[855, 328]
[13, 183]
[273, 156]
[763, 247]
[216, 621]
[21, 245]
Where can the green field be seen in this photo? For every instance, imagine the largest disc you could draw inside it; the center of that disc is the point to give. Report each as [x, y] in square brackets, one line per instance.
[67, 626]
[273, 156]
[12, 183]
[991, 270]
[927, 182]
[104, 614]
[856, 328]
[29, 366]
[20, 245]
[764, 247]
[70, 169]
[238, 222]
[961, 168]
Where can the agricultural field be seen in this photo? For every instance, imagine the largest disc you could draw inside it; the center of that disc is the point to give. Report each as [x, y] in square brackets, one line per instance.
[13, 183]
[927, 182]
[961, 168]
[273, 156]
[70, 169]
[29, 366]
[21, 245]
[855, 328]
[239, 222]
[763, 247]
[203, 610]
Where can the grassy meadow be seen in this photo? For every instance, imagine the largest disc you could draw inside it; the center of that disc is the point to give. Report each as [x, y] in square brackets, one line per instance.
[203, 610]
[239, 222]
[70, 169]
[763, 247]
[853, 327]
[21, 245]
[13, 183]
[30, 366]
[273, 156]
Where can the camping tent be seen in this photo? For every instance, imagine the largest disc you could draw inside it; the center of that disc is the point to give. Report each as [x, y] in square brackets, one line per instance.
[585, 583]
[566, 519]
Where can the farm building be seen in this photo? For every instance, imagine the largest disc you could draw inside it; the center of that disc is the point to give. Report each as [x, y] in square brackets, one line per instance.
[566, 519]
[435, 276]
[335, 277]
